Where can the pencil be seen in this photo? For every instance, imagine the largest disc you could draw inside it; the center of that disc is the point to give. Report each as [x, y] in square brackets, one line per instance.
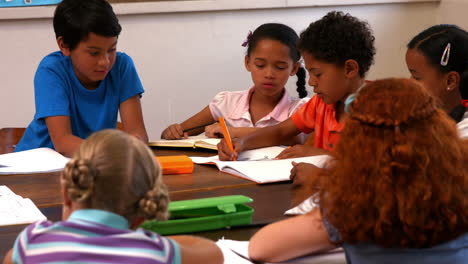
[226, 134]
[197, 127]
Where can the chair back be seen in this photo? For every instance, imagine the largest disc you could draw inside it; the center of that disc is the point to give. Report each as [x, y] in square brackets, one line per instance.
[9, 137]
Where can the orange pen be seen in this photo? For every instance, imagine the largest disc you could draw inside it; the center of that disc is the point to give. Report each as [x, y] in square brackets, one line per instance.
[226, 135]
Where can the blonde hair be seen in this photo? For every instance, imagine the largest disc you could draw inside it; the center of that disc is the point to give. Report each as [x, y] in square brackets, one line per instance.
[116, 172]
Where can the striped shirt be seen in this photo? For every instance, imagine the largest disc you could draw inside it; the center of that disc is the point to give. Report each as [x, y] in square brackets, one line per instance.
[92, 236]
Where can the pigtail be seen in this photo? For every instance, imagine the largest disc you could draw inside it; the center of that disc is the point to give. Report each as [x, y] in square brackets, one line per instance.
[301, 81]
[79, 176]
[155, 203]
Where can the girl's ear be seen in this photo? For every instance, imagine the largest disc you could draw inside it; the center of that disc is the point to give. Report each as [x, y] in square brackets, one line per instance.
[295, 68]
[351, 68]
[63, 47]
[453, 81]
[246, 63]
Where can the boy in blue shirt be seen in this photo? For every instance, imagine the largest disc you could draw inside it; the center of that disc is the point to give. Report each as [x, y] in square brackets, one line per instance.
[81, 88]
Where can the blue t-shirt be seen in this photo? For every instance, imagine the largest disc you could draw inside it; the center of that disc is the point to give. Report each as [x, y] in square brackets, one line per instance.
[453, 252]
[58, 92]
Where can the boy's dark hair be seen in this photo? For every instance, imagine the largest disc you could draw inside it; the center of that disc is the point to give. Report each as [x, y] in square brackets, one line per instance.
[338, 37]
[432, 43]
[75, 19]
[288, 37]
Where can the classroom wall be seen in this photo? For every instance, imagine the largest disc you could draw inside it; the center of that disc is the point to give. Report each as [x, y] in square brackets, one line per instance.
[453, 12]
[184, 59]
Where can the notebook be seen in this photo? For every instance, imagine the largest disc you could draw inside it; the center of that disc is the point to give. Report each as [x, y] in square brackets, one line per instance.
[261, 171]
[32, 161]
[190, 142]
[237, 252]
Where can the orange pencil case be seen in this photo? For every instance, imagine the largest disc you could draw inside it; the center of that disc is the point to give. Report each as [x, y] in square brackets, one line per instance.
[175, 164]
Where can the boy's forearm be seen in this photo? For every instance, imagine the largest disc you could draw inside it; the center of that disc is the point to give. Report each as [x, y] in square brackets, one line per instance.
[282, 134]
[67, 144]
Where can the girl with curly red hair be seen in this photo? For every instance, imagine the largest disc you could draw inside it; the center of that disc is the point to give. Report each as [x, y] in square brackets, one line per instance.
[396, 192]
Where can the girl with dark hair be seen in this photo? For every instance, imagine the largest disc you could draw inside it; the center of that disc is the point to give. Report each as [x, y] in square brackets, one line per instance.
[272, 57]
[438, 58]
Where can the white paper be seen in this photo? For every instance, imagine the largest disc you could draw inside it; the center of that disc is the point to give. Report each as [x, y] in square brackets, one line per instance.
[32, 161]
[262, 171]
[303, 208]
[335, 256]
[15, 210]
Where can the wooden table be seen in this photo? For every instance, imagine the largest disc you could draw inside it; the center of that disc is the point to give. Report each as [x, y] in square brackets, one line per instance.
[270, 200]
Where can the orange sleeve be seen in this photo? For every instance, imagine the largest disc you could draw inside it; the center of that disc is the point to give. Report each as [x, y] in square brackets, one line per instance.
[304, 117]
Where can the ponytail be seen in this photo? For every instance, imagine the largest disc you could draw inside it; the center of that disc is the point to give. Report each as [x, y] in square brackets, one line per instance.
[301, 81]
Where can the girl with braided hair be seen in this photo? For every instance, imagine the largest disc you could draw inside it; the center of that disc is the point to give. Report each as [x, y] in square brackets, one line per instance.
[396, 191]
[438, 58]
[272, 58]
[110, 187]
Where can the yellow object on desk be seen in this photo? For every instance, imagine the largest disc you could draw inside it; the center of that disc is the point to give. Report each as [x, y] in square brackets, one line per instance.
[181, 164]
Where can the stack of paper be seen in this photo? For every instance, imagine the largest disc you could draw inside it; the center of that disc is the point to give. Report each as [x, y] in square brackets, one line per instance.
[32, 161]
[15, 210]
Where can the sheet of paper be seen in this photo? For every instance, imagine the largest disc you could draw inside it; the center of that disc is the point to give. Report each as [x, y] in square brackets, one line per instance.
[230, 256]
[14, 209]
[335, 256]
[32, 161]
[303, 208]
[261, 171]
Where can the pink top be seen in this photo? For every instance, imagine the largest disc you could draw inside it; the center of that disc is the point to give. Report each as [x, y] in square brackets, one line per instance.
[234, 107]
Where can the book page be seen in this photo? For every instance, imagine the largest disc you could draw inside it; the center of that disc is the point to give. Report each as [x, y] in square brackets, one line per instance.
[261, 171]
[193, 141]
[268, 170]
[304, 207]
[267, 153]
[32, 161]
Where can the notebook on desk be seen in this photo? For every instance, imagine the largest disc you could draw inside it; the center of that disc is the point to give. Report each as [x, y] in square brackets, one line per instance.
[190, 142]
[37, 160]
[263, 170]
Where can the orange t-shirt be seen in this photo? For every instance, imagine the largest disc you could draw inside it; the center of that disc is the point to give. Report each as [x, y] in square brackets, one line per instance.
[319, 117]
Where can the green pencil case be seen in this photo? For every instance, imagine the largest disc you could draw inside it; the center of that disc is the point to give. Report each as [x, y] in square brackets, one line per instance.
[203, 214]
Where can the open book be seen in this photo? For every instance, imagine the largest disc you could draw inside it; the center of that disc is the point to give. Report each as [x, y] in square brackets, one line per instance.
[32, 161]
[15, 210]
[262, 170]
[237, 252]
[190, 142]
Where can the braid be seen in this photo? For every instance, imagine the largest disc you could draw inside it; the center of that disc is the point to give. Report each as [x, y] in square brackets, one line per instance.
[79, 176]
[424, 111]
[301, 77]
[155, 203]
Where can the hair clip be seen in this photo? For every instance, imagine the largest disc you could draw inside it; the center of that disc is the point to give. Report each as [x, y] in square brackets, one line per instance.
[348, 101]
[445, 56]
[247, 40]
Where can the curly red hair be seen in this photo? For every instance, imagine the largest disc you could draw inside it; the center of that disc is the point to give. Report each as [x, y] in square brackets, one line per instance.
[400, 177]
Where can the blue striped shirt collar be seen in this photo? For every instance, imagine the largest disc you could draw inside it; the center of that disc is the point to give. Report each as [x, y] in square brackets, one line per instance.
[101, 217]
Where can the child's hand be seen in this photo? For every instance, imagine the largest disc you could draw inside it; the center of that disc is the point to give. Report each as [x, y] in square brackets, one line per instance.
[214, 131]
[300, 151]
[225, 153]
[301, 173]
[174, 131]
